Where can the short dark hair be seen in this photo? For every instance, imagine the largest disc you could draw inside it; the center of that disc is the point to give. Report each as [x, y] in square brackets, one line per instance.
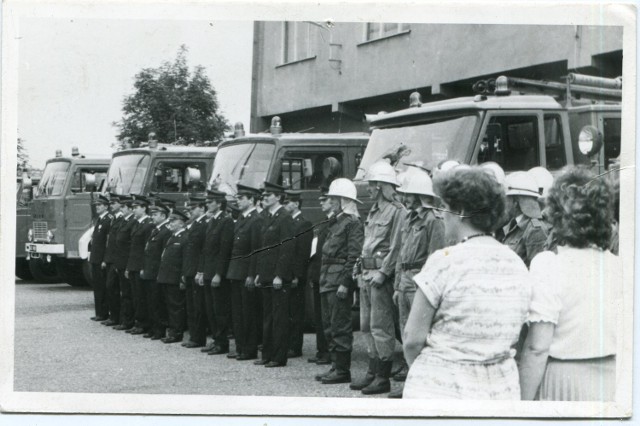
[470, 189]
[579, 207]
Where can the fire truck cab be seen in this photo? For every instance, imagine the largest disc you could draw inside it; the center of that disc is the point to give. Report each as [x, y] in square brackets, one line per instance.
[61, 213]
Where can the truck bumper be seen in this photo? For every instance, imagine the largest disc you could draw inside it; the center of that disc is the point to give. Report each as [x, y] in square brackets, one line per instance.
[37, 248]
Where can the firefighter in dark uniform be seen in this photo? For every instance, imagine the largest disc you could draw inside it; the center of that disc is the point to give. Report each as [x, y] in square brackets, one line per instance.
[170, 278]
[303, 232]
[329, 208]
[196, 318]
[113, 282]
[340, 251]
[158, 238]
[422, 234]
[376, 276]
[525, 233]
[123, 246]
[217, 248]
[139, 237]
[241, 274]
[274, 273]
[96, 258]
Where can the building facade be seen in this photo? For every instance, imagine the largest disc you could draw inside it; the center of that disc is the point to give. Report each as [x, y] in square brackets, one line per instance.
[323, 77]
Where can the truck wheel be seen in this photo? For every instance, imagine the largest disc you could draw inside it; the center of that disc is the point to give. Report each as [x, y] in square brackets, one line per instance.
[44, 272]
[77, 274]
[22, 269]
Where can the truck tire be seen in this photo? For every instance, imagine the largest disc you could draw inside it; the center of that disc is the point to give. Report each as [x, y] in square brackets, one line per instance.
[77, 274]
[22, 269]
[44, 272]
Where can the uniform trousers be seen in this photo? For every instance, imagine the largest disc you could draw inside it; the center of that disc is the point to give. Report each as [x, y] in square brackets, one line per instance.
[321, 340]
[405, 300]
[140, 305]
[336, 321]
[377, 317]
[296, 317]
[245, 325]
[176, 309]
[219, 316]
[99, 281]
[113, 293]
[198, 325]
[189, 284]
[127, 314]
[275, 324]
[157, 308]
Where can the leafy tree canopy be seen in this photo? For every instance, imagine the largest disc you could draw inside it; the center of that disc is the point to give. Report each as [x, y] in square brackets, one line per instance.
[179, 106]
[23, 156]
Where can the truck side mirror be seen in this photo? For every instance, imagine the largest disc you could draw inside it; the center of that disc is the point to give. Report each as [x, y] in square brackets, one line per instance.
[192, 176]
[89, 182]
[307, 167]
[590, 140]
[27, 183]
[331, 167]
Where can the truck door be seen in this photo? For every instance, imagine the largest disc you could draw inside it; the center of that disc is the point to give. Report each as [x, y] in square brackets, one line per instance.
[309, 170]
[172, 178]
[78, 212]
[511, 139]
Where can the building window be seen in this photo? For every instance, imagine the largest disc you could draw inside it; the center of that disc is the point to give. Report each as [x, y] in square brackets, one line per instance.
[298, 41]
[376, 30]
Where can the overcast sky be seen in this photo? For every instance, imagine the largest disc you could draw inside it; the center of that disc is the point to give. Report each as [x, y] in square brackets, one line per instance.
[74, 74]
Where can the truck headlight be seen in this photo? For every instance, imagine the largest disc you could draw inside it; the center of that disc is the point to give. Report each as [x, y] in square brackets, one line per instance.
[49, 236]
[30, 235]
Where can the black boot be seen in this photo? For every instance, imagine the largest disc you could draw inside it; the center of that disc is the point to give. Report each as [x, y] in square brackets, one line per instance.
[342, 372]
[381, 383]
[401, 374]
[319, 377]
[368, 378]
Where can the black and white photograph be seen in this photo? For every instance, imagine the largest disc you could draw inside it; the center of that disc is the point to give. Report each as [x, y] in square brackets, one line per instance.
[318, 209]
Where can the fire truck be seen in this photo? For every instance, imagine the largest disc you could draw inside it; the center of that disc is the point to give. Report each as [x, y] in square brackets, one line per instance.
[61, 213]
[515, 122]
[24, 196]
[301, 161]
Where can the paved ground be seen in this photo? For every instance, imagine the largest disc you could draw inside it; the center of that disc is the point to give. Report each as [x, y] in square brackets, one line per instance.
[57, 348]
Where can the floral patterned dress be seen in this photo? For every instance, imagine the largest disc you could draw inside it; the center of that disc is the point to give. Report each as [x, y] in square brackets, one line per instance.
[481, 293]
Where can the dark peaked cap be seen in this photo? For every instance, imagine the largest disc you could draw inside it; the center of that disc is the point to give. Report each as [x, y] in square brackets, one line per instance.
[213, 194]
[273, 188]
[178, 214]
[125, 199]
[247, 190]
[101, 200]
[292, 195]
[159, 207]
[139, 200]
[196, 200]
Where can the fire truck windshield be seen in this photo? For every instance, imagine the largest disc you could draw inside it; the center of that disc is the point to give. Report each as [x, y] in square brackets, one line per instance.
[53, 179]
[127, 173]
[425, 144]
[246, 163]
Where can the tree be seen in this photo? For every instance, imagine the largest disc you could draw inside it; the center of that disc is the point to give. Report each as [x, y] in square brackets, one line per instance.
[179, 106]
[23, 156]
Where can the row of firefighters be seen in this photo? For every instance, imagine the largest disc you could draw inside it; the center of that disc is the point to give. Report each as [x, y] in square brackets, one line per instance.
[160, 271]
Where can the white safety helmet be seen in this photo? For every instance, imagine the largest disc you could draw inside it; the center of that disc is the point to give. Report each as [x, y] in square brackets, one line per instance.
[543, 179]
[417, 182]
[382, 171]
[496, 171]
[344, 188]
[522, 183]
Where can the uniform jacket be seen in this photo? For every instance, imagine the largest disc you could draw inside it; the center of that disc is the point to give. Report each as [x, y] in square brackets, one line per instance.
[218, 243]
[170, 270]
[422, 234]
[139, 236]
[341, 249]
[193, 247]
[99, 238]
[278, 259]
[246, 240]
[319, 234]
[303, 233]
[527, 238]
[381, 235]
[123, 242]
[153, 251]
[112, 247]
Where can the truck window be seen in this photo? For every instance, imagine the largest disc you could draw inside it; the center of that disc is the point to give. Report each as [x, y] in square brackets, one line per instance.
[170, 177]
[53, 179]
[292, 173]
[79, 178]
[514, 143]
[611, 128]
[553, 140]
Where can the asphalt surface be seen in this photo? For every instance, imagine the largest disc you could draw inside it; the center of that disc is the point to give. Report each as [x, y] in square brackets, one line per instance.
[59, 349]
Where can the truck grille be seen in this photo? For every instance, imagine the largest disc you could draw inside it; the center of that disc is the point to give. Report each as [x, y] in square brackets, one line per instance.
[40, 230]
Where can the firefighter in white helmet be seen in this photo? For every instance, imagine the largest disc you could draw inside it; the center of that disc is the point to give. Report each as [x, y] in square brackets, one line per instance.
[375, 272]
[544, 181]
[340, 250]
[525, 232]
[423, 233]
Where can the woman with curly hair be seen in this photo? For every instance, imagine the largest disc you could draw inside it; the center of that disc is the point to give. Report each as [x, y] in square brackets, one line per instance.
[569, 354]
[472, 300]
